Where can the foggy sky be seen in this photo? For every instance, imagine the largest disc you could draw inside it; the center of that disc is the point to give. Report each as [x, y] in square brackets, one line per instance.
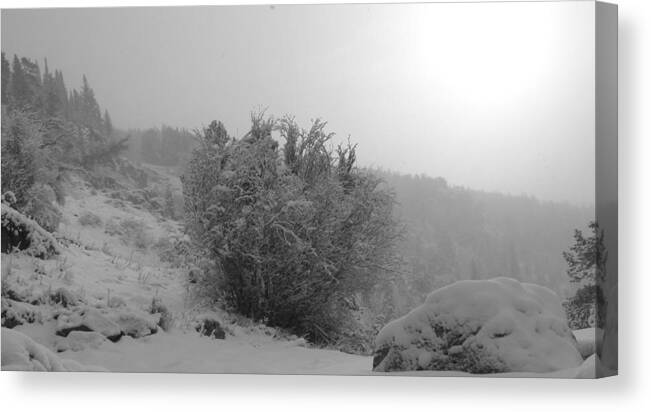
[496, 96]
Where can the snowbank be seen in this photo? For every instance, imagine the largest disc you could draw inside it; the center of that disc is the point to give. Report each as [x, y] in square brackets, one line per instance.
[482, 326]
[21, 353]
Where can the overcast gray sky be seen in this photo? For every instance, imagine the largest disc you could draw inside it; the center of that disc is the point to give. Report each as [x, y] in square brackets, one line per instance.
[496, 96]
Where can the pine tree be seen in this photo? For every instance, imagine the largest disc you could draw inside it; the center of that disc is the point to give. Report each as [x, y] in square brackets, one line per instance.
[19, 166]
[90, 113]
[19, 87]
[61, 92]
[32, 75]
[6, 75]
[586, 262]
[587, 257]
[52, 104]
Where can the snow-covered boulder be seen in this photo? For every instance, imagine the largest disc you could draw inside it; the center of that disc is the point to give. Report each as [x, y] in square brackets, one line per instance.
[88, 320]
[136, 324]
[78, 341]
[481, 326]
[21, 353]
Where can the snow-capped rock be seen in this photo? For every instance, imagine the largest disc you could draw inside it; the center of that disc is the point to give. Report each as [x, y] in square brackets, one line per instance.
[481, 326]
[87, 320]
[136, 324]
[78, 341]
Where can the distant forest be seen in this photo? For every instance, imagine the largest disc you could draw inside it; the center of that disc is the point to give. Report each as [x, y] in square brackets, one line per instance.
[454, 233]
[164, 146]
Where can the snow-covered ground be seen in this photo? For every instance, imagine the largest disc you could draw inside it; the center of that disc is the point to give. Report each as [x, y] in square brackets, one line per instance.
[110, 276]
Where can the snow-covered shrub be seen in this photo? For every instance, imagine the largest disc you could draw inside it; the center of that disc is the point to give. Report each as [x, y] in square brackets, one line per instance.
[482, 326]
[294, 233]
[64, 297]
[209, 325]
[177, 251]
[42, 208]
[15, 313]
[22, 233]
[157, 307]
[131, 231]
[90, 219]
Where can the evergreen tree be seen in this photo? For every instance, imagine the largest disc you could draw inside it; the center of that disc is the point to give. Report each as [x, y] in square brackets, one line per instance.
[19, 86]
[52, 104]
[19, 149]
[90, 112]
[32, 74]
[587, 257]
[6, 75]
[586, 262]
[61, 92]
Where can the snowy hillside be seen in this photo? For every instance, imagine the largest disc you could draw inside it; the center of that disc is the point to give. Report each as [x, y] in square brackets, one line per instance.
[98, 269]
[97, 306]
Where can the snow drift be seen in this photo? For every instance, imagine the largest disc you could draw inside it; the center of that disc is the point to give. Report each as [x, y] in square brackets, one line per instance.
[480, 326]
[21, 353]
